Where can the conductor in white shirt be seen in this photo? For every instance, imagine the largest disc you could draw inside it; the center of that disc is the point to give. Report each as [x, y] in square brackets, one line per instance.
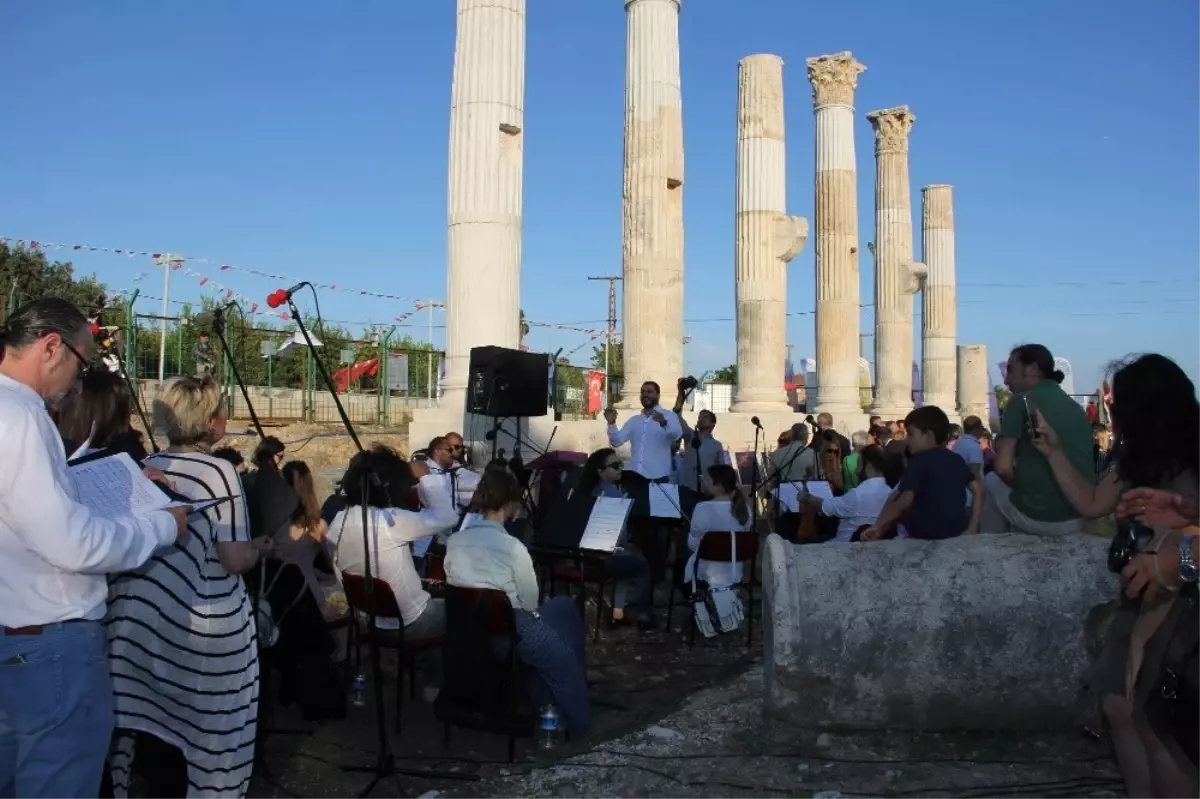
[56, 695]
[650, 435]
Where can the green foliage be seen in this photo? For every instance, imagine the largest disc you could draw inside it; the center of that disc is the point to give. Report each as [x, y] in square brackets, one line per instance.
[616, 364]
[27, 275]
[726, 374]
[1002, 396]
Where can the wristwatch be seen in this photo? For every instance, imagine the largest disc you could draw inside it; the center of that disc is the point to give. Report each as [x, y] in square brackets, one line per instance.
[1187, 564]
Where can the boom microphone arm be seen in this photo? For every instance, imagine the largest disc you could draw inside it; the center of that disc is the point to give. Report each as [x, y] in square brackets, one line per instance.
[218, 326]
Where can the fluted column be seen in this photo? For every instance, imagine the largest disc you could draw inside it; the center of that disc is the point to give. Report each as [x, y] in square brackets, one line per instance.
[834, 79]
[767, 238]
[974, 390]
[652, 224]
[483, 273]
[938, 298]
[897, 277]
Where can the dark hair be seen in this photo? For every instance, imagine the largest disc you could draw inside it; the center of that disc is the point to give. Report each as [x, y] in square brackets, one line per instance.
[299, 477]
[1157, 419]
[784, 439]
[497, 489]
[954, 432]
[266, 451]
[931, 419]
[830, 436]
[35, 320]
[973, 424]
[872, 456]
[652, 383]
[1037, 355]
[438, 442]
[229, 454]
[882, 434]
[388, 476]
[707, 412]
[725, 477]
[100, 398]
[589, 478]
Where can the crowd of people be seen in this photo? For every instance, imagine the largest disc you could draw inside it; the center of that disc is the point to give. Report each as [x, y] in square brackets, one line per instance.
[137, 642]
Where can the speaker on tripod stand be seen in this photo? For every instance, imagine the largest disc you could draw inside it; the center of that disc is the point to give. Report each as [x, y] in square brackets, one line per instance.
[507, 383]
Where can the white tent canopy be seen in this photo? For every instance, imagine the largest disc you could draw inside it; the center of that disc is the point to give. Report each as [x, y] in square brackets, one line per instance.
[297, 340]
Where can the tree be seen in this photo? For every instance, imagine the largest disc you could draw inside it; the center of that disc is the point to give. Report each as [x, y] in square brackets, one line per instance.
[27, 275]
[524, 331]
[726, 374]
[1002, 396]
[616, 363]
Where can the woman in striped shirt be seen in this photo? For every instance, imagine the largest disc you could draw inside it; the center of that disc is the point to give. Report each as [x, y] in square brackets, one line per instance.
[182, 645]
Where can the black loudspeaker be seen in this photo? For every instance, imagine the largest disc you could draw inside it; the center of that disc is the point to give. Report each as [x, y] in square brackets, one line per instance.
[504, 382]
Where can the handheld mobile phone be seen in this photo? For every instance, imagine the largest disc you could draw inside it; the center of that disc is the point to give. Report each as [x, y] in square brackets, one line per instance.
[1031, 419]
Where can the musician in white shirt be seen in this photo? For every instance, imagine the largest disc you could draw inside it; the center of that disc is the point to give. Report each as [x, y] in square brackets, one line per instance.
[56, 700]
[860, 506]
[649, 435]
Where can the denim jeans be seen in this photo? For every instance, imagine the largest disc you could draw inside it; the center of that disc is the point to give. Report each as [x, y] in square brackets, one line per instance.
[632, 572]
[56, 711]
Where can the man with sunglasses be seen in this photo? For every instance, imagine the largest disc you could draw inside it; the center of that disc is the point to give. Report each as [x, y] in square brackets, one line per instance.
[56, 694]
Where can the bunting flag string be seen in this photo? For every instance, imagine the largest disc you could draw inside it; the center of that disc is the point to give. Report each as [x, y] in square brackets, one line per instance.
[183, 264]
[43, 246]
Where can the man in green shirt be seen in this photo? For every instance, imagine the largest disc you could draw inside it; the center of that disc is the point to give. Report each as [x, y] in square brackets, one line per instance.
[1022, 494]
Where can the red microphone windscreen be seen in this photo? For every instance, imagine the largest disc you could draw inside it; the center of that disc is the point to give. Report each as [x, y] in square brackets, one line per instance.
[276, 298]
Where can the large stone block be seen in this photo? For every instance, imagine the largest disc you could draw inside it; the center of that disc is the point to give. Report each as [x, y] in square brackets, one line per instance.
[980, 632]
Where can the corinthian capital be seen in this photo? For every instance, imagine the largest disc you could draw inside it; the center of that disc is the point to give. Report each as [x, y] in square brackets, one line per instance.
[914, 276]
[834, 78]
[891, 128]
[789, 234]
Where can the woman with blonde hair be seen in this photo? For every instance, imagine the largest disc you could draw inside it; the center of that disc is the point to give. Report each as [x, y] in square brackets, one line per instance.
[182, 645]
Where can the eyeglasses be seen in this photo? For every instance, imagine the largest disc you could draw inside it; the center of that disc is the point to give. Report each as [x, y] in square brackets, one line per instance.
[85, 366]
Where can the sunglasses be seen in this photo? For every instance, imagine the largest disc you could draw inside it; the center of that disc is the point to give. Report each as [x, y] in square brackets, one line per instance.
[613, 465]
[85, 366]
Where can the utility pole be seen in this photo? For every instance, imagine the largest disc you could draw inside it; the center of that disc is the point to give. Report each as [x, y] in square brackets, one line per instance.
[167, 262]
[610, 330]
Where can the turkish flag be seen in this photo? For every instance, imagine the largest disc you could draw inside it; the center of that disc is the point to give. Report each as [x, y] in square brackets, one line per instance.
[595, 395]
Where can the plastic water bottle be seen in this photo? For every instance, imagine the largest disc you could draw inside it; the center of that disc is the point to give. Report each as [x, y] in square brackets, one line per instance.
[360, 690]
[549, 736]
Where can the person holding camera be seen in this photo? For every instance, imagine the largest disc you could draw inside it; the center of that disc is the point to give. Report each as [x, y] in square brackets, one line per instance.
[1152, 486]
[702, 449]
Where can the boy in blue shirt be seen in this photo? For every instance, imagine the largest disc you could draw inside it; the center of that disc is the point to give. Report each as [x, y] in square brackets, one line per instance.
[931, 497]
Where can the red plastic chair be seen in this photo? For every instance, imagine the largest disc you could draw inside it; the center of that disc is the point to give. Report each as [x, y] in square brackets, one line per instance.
[385, 607]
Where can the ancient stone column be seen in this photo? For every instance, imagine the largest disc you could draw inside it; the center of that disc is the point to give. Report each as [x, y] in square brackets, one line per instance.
[767, 238]
[938, 314]
[974, 387]
[483, 273]
[897, 277]
[652, 224]
[834, 78]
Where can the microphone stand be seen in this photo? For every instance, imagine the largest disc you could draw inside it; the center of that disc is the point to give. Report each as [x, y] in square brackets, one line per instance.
[695, 442]
[137, 400]
[385, 761]
[218, 326]
[753, 481]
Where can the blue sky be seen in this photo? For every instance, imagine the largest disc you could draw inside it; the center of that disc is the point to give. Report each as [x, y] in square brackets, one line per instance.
[309, 138]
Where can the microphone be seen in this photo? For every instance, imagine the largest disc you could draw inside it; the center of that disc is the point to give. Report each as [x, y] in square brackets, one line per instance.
[754, 421]
[695, 442]
[281, 296]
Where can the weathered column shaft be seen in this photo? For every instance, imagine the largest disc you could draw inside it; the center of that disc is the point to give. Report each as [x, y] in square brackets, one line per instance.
[834, 78]
[652, 229]
[483, 274]
[938, 298]
[767, 239]
[896, 275]
[974, 391]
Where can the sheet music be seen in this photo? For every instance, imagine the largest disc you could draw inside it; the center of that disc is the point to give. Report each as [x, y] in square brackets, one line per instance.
[604, 527]
[820, 488]
[788, 495]
[664, 500]
[421, 546]
[115, 487]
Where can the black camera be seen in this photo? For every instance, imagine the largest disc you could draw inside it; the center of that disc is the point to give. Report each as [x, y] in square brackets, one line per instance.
[688, 383]
[1131, 539]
